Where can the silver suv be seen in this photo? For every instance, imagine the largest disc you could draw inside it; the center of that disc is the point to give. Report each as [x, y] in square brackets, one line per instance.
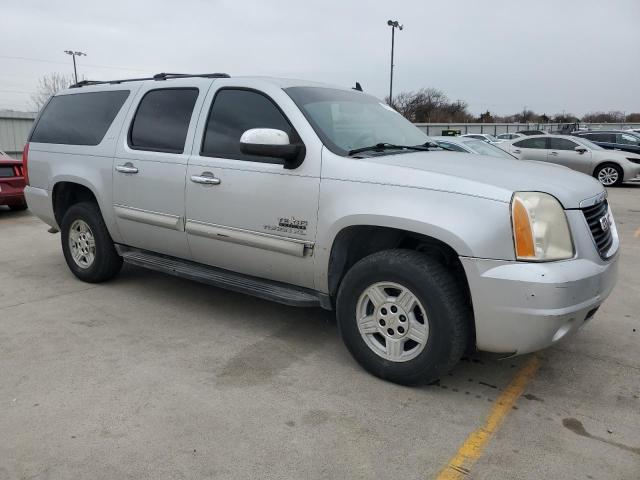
[312, 195]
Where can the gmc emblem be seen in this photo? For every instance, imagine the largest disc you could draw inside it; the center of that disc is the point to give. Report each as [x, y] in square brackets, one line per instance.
[604, 223]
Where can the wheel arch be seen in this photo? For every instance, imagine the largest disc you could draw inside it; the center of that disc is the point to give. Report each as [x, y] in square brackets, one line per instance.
[355, 242]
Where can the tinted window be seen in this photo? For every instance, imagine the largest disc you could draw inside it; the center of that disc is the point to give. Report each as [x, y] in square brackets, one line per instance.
[162, 120]
[234, 112]
[537, 142]
[561, 144]
[601, 137]
[79, 118]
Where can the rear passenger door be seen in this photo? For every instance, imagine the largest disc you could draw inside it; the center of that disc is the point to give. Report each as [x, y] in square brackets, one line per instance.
[256, 218]
[532, 148]
[150, 165]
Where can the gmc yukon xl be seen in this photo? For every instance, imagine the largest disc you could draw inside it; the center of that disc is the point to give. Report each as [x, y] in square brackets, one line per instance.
[313, 195]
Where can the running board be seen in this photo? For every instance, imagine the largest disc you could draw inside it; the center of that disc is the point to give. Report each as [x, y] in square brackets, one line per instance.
[258, 287]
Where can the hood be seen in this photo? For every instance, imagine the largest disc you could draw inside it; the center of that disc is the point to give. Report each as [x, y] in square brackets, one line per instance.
[484, 176]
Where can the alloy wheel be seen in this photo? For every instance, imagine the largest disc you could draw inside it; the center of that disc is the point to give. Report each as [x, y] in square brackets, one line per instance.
[392, 321]
[82, 244]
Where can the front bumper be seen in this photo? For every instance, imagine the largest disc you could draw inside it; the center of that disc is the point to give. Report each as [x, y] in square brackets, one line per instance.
[522, 307]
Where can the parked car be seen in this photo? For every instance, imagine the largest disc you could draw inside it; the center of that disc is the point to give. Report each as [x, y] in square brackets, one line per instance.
[633, 130]
[471, 145]
[613, 139]
[11, 183]
[509, 136]
[608, 166]
[313, 195]
[485, 137]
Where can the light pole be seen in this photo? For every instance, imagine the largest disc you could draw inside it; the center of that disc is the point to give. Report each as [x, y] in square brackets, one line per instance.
[393, 24]
[75, 54]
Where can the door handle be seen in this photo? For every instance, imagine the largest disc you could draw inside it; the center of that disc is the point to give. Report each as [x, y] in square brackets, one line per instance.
[127, 168]
[517, 151]
[207, 178]
[553, 153]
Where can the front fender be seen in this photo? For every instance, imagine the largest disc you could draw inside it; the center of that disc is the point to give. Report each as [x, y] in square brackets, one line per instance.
[471, 226]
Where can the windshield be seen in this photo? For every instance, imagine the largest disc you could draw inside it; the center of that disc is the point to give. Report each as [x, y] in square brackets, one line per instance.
[587, 143]
[348, 120]
[484, 148]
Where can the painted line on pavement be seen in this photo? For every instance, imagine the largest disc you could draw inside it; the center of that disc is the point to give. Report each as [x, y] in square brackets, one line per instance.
[471, 450]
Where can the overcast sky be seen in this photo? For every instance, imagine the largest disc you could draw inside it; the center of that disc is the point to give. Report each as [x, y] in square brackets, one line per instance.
[500, 55]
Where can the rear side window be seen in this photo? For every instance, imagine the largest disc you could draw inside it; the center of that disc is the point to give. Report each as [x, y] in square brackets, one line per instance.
[78, 118]
[561, 144]
[235, 111]
[162, 120]
[538, 142]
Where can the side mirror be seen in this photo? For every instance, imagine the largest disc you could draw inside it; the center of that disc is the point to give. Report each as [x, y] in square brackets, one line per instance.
[580, 149]
[270, 142]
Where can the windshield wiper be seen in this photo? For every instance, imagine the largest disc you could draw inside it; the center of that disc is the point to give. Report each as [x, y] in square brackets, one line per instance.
[388, 146]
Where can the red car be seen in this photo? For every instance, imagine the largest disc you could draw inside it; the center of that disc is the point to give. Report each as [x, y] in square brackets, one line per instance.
[12, 182]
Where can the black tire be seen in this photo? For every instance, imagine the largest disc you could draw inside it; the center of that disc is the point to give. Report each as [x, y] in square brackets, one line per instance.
[18, 208]
[447, 309]
[107, 262]
[616, 167]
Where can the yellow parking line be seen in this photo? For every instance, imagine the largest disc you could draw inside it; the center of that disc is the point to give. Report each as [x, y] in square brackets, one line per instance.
[471, 450]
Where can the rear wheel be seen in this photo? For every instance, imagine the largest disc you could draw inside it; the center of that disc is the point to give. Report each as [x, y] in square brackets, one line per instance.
[609, 174]
[87, 245]
[403, 316]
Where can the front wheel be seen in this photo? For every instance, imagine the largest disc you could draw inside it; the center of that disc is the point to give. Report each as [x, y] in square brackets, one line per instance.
[403, 316]
[609, 175]
[87, 245]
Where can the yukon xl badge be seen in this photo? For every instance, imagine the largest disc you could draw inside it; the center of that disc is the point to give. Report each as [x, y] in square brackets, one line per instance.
[604, 223]
[289, 225]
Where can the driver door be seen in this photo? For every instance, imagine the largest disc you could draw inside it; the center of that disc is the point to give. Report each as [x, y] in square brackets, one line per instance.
[247, 213]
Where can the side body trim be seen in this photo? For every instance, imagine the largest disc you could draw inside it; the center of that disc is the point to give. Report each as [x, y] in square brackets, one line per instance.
[265, 241]
[172, 222]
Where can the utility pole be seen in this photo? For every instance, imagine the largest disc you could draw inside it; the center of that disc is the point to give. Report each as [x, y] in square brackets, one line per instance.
[393, 24]
[75, 54]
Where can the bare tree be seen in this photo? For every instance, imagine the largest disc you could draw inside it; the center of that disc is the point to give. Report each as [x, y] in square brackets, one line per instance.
[430, 105]
[48, 86]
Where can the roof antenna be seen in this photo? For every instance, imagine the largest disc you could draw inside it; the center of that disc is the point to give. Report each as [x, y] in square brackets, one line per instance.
[358, 87]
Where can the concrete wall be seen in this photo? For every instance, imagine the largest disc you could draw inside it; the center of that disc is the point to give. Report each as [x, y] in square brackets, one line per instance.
[14, 129]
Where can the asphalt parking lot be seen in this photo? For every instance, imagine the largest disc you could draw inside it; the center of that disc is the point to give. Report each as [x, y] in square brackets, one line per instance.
[153, 377]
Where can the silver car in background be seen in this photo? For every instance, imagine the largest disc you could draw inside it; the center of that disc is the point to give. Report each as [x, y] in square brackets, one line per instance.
[471, 145]
[610, 167]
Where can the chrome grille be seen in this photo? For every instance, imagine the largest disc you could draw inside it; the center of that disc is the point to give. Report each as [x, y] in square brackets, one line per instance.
[602, 237]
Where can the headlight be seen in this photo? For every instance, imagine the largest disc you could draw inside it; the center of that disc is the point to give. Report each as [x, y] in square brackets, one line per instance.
[540, 228]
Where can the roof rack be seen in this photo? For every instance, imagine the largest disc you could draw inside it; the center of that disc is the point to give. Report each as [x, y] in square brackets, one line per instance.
[157, 76]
